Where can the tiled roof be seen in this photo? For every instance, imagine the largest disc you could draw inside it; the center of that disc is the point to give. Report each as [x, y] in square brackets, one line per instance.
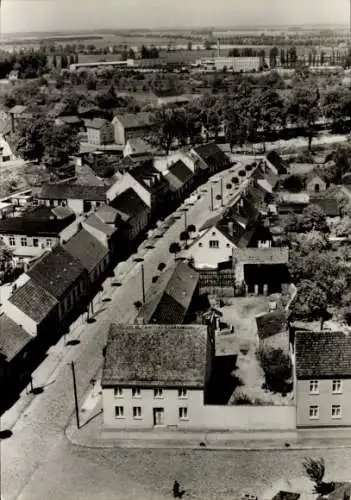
[12, 338]
[128, 204]
[107, 214]
[156, 355]
[86, 249]
[95, 222]
[56, 271]
[148, 176]
[168, 300]
[278, 162]
[212, 155]
[135, 120]
[139, 146]
[273, 255]
[96, 123]
[323, 355]
[178, 175]
[29, 227]
[212, 221]
[62, 212]
[33, 300]
[72, 191]
[18, 109]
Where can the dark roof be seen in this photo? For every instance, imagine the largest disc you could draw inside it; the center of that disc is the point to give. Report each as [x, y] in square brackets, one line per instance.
[96, 123]
[62, 212]
[29, 227]
[286, 495]
[323, 355]
[96, 222]
[56, 271]
[213, 156]
[70, 120]
[330, 206]
[178, 175]
[72, 191]
[33, 300]
[272, 255]
[107, 214]
[168, 300]
[12, 338]
[135, 120]
[277, 161]
[148, 176]
[212, 221]
[86, 249]
[128, 204]
[154, 355]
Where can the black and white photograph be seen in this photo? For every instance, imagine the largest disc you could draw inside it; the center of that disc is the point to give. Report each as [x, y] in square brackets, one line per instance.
[175, 250]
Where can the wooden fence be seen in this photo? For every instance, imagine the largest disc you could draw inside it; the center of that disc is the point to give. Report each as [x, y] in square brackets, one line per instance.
[220, 283]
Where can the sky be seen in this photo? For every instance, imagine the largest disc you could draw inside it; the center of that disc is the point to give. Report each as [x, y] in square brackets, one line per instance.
[62, 15]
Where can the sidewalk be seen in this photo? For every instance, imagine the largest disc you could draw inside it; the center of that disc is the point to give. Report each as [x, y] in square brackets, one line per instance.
[92, 435]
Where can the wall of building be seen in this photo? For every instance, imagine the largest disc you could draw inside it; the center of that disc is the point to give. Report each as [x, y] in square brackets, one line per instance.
[76, 205]
[35, 245]
[204, 256]
[200, 416]
[316, 185]
[100, 236]
[324, 400]
[19, 317]
[128, 181]
[118, 132]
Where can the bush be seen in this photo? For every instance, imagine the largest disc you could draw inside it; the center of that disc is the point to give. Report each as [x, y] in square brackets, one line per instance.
[242, 399]
[218, 197]
[229, 186]
[242, 173]
[161, 266]
[277, 368]
[235, 180]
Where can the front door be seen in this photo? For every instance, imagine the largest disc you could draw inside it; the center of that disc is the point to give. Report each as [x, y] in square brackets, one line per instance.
[159, 416]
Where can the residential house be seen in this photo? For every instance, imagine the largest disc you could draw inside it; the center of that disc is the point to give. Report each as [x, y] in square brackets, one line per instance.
[29, 236]
[180, 179]
[322, 379]
[16, 113]
[92, 255]
[162, 163]
[276, 162]
[170, 299]
[136, 147]
[15, 345]
[292, 202]
[79, 198]
[315, 183]
[155, 376]
[212, 158]
[134, 213]
[149, 185]
[105, 225]
[131, 125]
[47, 292]
[99, 131]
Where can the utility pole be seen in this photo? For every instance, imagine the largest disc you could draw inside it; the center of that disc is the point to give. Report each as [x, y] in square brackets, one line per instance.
[185, 221]
[75, 394]
[211, 197]
[143, 281]
[221, 191]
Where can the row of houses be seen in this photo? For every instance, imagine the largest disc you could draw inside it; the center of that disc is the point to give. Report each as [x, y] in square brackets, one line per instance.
[71, 237]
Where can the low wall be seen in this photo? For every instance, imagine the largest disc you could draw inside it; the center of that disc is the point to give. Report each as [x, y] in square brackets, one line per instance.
[247, 418]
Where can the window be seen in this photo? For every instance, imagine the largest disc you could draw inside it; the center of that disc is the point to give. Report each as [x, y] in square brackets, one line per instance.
[23, 241]
[35, 242]
[214, 244]
[158, 393]
[48, 243]
[314, 387]
[314, 411]
[119, 411]
[183, 413]
[117, 392]
[12, 241]
[336, 387]
[336, 411]
[182, 393]
[136, 411]
[136, 392]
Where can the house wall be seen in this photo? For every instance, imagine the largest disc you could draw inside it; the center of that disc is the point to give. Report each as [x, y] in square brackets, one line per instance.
[138, 224]
[42, 243]
[73, 296]
[204, 256]
[314, 183]
[170, 402]
[162, 163]
[200, 416]
[19, 317]
[325, 399]
[136, 132]
[76, 205]
[119, 134]
[128, 181]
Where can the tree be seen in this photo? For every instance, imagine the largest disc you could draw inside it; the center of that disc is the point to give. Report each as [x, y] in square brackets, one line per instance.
[60, 143]
[293, 184]
[313, 218]
[191, 228]
[161, 266]
[184, 236]
[336, 105]
[167, 125]
[174, 248]
[311, 302]
[314, 469]
[190, 46]
[277, 368]
[29, 138]
[292, 223]
[6, 256]
[273, 54]
[303, 107]
[208, 44]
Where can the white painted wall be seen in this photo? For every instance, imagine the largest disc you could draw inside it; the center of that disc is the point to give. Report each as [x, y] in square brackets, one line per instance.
[76, 205]
[19, 317]
[204, 256]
